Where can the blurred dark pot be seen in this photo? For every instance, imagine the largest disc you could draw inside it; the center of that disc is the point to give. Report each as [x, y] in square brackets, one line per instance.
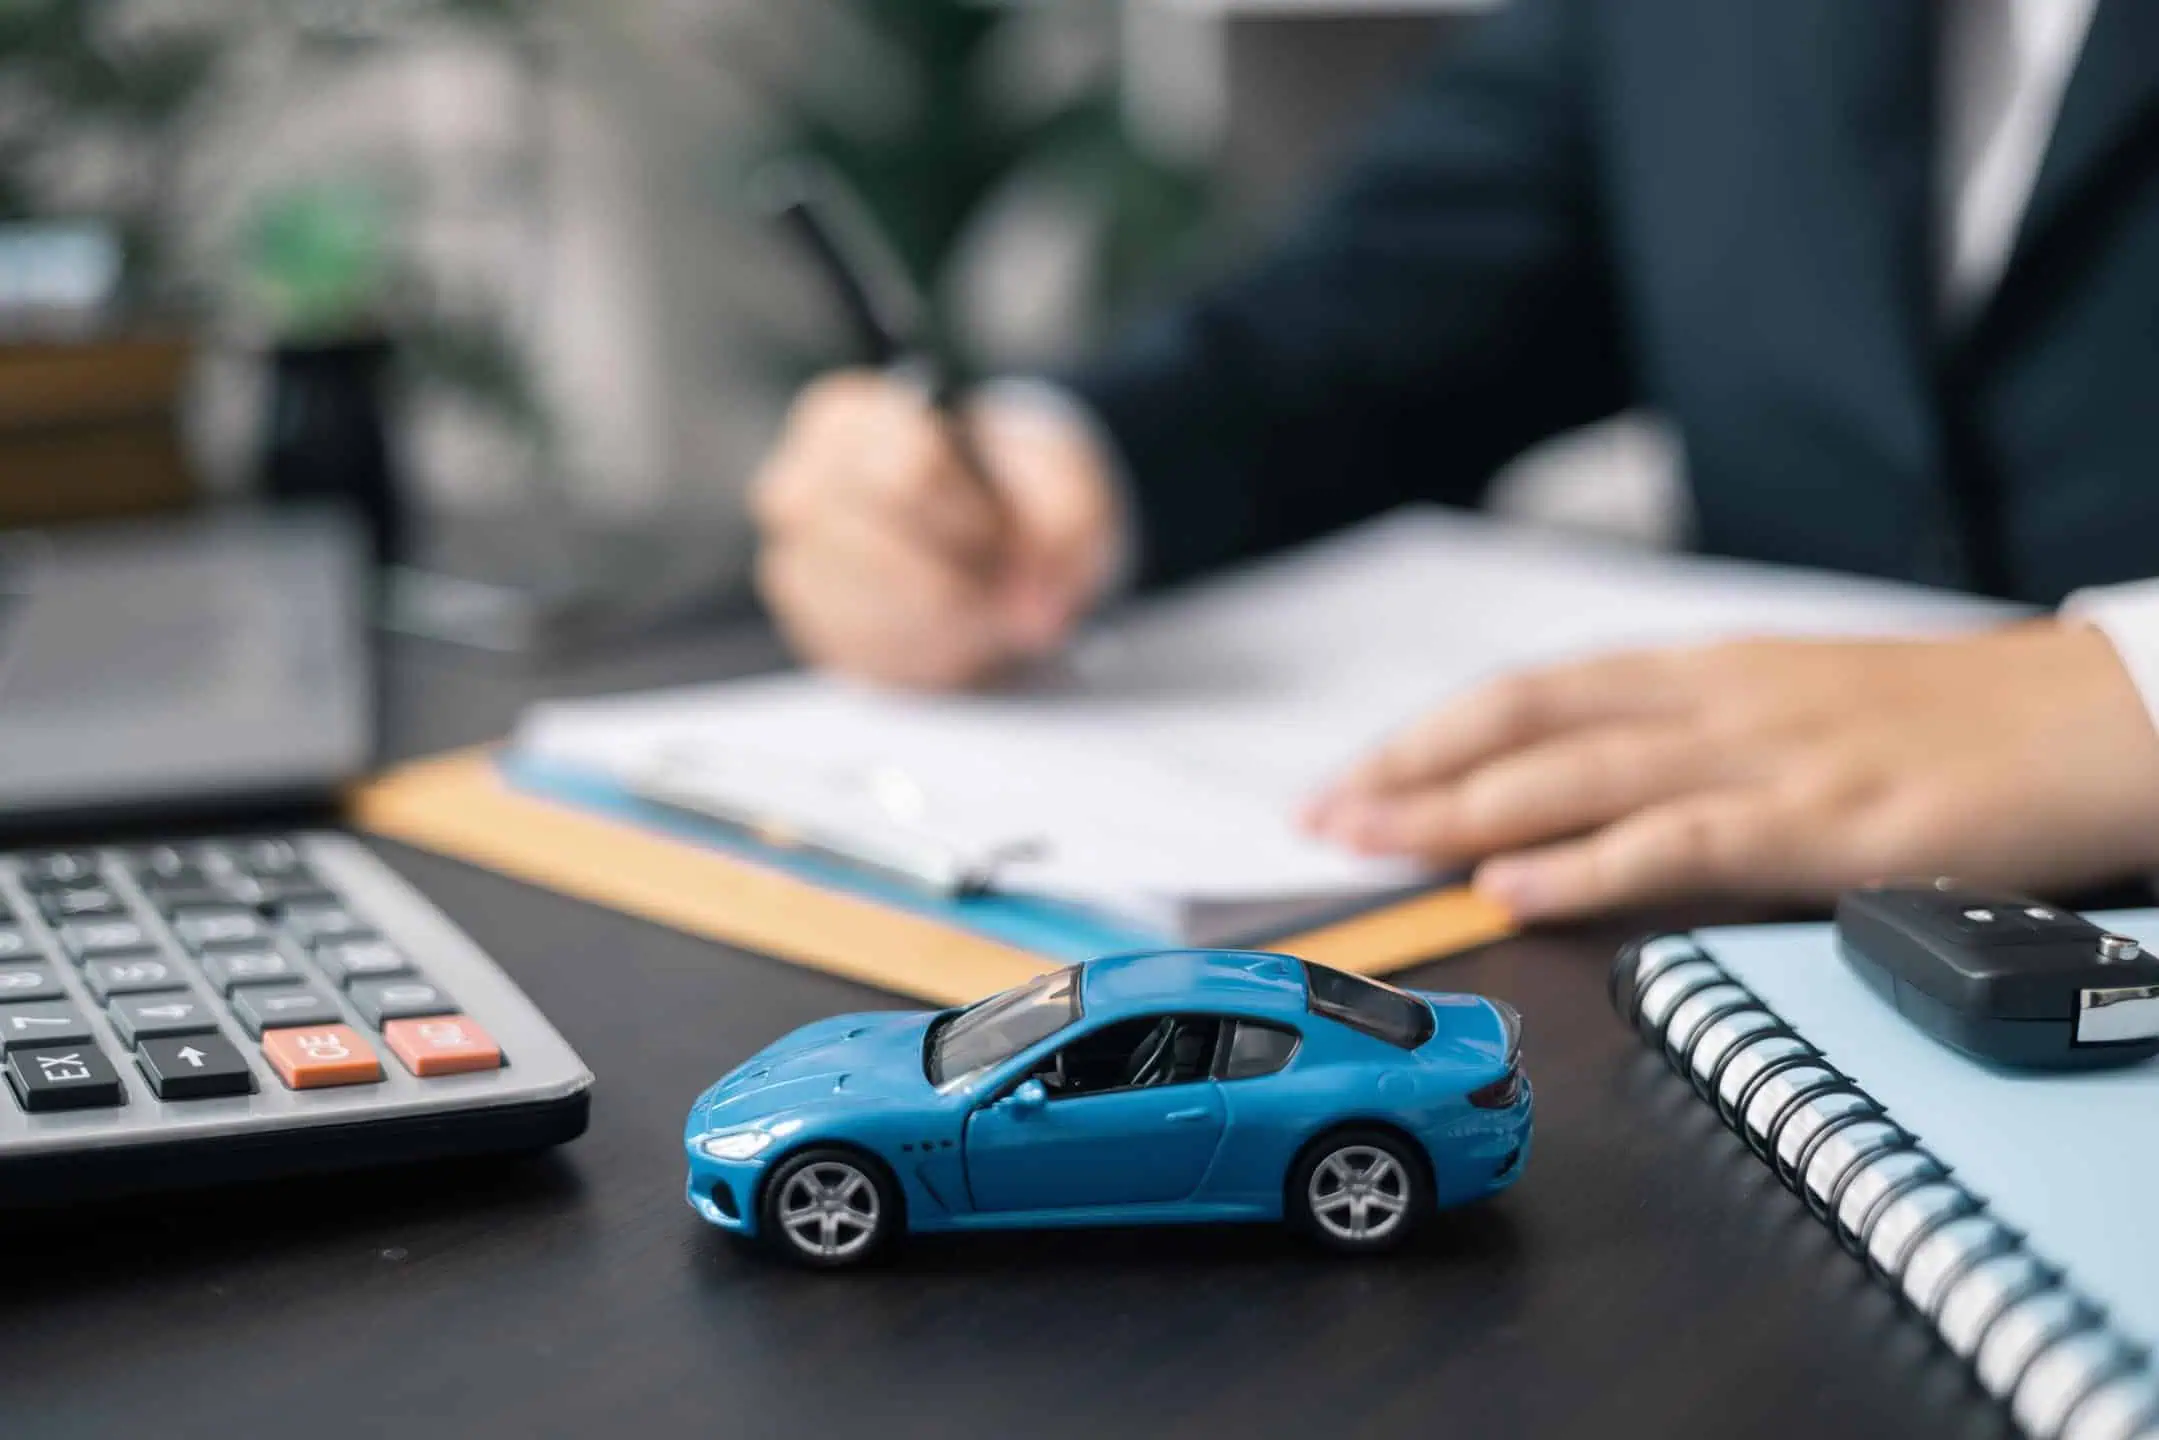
[326, 435]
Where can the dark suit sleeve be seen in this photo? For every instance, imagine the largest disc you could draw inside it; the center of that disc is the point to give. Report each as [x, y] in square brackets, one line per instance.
[1446, 305]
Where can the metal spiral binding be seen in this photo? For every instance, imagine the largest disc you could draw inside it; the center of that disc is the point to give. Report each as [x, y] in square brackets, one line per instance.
[2035, 1343]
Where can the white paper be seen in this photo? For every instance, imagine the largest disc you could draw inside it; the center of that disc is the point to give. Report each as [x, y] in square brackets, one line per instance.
[1160, 767]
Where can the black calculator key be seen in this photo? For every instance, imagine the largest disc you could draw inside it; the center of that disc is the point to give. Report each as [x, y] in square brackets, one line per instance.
[268, 857]
[29, 982]
[239, 889]
[129, 977]
[62, 1077]
[215, 858]
[76, 902]
[193, 1067]
[201, 929]
[41, 1022]
[275, 891]
[58, 867]
[380, 1000]
[176, 897]
[316, 923]
[271, 1007]
[136, 1018]
[15, 943]
[264, 859]
[348, 961]
[247, 966]
[166, 863]
[88, 939]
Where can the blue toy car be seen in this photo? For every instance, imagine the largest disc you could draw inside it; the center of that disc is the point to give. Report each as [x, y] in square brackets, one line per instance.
[1175, 1086]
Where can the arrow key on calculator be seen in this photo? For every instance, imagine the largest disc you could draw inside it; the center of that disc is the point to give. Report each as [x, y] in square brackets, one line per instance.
[193, 1067]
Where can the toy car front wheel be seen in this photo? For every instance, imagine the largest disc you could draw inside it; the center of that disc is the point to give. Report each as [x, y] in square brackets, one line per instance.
[829, 1207]
[1357, 1191]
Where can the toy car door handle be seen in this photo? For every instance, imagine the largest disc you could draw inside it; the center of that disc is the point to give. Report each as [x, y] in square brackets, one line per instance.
[1185, 1117]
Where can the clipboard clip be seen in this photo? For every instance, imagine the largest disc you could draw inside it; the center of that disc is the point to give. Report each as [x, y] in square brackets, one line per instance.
[872, 822]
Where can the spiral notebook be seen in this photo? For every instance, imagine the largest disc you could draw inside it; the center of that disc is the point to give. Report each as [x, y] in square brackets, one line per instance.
[2014, 1213]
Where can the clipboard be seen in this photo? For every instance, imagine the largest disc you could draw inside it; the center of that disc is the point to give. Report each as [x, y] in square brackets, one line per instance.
[602, 848]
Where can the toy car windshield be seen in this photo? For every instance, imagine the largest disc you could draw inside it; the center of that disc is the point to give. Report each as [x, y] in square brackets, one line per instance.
[994, 1030]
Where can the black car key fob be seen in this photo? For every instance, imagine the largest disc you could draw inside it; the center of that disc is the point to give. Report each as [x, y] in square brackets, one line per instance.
[2010, 980]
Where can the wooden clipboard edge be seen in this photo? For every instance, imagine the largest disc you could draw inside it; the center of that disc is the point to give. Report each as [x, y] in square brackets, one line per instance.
[457, 804]
[1410, 932]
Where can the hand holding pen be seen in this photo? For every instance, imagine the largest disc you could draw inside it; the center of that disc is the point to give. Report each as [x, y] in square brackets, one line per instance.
[908, 537]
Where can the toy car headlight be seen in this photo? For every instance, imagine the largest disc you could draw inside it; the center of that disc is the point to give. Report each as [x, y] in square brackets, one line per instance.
[736, 1144]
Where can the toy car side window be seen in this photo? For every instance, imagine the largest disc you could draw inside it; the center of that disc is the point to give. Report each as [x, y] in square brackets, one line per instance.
[1380, 1011]
[1133, 1054]
[1253, 1048]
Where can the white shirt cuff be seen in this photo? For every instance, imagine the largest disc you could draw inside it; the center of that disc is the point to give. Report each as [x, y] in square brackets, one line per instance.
[2128, 615]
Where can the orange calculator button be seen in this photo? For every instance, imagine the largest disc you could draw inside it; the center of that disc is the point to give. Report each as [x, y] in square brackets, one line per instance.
[314, 1057]
[442, 1045]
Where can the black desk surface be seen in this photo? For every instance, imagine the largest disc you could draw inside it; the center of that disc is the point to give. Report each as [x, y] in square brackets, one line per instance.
[1646, 1277]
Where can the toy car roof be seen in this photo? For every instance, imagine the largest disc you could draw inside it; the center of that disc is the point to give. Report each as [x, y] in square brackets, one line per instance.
[1251, 981]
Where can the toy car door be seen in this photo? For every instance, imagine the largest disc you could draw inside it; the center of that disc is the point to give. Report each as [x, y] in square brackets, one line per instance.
[1124, 1115]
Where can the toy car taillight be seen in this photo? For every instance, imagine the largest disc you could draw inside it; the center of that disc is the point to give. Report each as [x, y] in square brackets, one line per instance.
[1501, 1094]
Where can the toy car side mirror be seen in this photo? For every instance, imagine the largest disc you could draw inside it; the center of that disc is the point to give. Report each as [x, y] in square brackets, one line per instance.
[1029, 1097]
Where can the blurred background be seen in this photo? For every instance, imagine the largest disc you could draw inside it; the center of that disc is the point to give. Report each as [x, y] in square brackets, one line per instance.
[492, 270]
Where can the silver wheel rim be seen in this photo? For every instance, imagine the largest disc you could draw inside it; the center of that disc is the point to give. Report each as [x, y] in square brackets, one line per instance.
[829, 1210]
[1358, 1193]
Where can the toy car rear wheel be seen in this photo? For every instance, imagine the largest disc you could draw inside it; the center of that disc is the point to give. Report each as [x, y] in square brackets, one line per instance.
[830, 1207]
[1359, 1191]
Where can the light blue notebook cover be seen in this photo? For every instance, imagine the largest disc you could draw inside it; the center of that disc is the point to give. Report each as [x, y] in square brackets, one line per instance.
[2071, 1160]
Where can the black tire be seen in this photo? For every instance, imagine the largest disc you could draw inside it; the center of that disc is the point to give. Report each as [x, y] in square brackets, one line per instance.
[840, 1226]
[1321, 1199]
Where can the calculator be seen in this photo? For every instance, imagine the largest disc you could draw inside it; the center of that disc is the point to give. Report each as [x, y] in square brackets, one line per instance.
[226, 1010]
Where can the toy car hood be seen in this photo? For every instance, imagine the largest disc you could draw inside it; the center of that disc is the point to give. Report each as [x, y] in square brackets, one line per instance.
[876, 1055]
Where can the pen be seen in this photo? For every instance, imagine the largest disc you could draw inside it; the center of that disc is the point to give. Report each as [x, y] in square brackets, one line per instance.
[807, 202]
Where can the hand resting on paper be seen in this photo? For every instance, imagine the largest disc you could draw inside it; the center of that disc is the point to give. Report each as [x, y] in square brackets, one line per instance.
[1775, 769]
[1772, 769]
[883, 558]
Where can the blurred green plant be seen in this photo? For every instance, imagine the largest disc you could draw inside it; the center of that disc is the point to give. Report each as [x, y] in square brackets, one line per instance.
[325, 256]
[316, 254]
[320, 260]
[917, 111]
